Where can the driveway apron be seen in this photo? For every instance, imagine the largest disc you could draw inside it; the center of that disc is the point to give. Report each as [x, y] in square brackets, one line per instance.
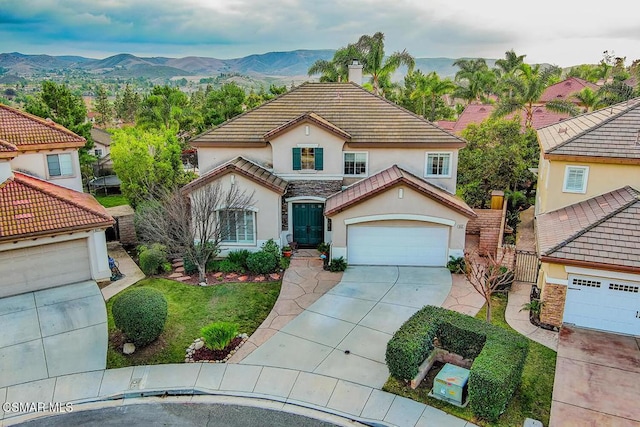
[344, 334]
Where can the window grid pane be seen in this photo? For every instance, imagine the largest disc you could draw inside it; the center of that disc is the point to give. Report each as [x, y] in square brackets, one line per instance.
[308, 158]
[575, 179]
[66, 166]
[237, 226]
[438, 164]
[355, 163]
[53, 165]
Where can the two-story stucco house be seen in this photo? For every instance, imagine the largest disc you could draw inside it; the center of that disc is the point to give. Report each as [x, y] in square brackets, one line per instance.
[52, 252]
[331, 162]
[588, 220]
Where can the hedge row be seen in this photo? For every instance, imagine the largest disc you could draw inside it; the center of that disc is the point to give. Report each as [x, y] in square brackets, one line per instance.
[499, 354]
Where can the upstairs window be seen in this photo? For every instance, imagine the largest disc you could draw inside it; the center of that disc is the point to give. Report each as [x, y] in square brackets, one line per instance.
[98, 152]
[237, 226]
[438, 165]
[60, 165]
[355, 163]
[308, 158]
[575, 179]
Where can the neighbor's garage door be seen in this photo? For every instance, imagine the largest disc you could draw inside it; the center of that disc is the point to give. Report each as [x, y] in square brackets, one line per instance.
[605, 304]
[423, 246]
[45, 266]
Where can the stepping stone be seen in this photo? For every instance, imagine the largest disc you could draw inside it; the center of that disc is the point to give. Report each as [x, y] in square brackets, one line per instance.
[231, 276]
[180, 270]
[274, 276]
[218, 275]
[243, 278]
[259, 279]
[177, 264]
[182, 279]
[175, 275]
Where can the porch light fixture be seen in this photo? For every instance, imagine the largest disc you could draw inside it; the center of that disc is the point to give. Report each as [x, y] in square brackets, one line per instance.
[233, 179]
[400, 193]
[307, 130]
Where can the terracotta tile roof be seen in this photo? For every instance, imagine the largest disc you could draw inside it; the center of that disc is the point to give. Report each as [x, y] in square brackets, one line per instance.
[612, 132]
[101, 136]
[446, 124]
[244, 167]
[563, 90]
[367, 118]
[28, 132]
[477, 113]
[7, 150]
[30, 207]
[307, 118]
[375, 184]
[604, 230]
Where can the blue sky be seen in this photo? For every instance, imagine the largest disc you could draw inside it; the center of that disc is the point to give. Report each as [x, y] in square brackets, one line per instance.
[547, 31]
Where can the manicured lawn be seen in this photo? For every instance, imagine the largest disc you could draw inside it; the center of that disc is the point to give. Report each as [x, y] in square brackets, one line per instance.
[531, 400]
[191, 308]
[111, 200]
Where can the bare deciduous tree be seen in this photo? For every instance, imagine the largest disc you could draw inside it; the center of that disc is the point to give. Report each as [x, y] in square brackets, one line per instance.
[188, 222]
[487, 275]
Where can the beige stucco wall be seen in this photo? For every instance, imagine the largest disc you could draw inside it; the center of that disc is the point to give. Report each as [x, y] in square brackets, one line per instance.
[36, 163]
[389, 203]
[602, 178]
[266, 204]
[210, 157]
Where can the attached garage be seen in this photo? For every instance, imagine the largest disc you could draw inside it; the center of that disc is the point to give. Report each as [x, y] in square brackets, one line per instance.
[57, 264]
[425, 245]
[602, 303]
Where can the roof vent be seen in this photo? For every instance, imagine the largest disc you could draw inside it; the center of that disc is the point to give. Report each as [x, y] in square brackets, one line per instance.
[638, 137]
[562, 130]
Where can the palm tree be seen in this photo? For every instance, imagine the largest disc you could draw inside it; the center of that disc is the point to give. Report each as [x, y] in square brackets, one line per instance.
[330, 71]
[428, 90]
[475, 80]
[371, 54]
[526, 86]
[590, 99]
[509, 64]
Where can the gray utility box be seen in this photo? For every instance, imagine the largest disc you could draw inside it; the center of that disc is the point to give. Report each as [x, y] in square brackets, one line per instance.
[450, 385]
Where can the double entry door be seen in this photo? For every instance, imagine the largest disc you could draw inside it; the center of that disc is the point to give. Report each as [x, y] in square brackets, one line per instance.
[308, 223]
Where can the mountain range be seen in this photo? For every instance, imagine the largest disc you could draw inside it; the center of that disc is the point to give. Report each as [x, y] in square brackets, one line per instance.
[276, 64]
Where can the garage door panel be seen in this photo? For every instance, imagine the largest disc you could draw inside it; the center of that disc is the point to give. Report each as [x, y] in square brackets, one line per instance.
[602, 303]
[46, 266]
[424, 246]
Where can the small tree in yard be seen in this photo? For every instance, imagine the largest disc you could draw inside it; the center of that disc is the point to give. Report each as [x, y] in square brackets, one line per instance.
[188, 223]
[487, 275]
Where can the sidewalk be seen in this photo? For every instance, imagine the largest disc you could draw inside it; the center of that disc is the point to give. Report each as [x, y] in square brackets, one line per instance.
[290, 387]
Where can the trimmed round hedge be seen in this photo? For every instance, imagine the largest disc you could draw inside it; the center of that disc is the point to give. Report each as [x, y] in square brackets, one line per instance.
[140, 313]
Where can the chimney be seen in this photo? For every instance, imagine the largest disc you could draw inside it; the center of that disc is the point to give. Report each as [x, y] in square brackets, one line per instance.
[497, 199]
[355, 72]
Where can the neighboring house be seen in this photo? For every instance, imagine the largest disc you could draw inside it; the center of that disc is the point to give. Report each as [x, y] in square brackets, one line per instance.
[331, 162]
[588, 219]
[52, 253]
[564, 90]
[102, 148]
[44, 149]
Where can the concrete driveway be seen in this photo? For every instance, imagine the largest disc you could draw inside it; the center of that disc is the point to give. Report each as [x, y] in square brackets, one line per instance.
[344, 334]
[597, 380]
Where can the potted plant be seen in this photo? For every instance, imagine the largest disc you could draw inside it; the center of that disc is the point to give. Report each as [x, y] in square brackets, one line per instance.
[287, 251]
[324, 248]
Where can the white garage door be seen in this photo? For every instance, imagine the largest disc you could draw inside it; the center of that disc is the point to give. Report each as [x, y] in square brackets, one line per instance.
[45, 266]
[422, 246]
[605, 304]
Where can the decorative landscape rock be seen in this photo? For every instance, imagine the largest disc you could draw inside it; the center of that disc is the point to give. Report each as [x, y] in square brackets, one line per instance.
[198, 344]
[128, 348]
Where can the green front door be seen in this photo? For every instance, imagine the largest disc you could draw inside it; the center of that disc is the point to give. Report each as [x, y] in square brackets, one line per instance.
[308, 223]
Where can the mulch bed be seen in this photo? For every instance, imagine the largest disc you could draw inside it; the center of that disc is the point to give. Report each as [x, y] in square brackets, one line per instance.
[205, 354]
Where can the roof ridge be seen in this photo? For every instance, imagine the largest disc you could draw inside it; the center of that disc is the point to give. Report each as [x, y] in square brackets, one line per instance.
[598, 125]
[636, 199]
[19, 178]
[49, 123]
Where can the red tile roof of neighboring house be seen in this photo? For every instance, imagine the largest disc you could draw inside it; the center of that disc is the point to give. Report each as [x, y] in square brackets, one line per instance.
[602, 230]
[612, 132]
[375, 184]
[244, 167]
[368, 119]
[7, 150]
[31, 207]
[563, 90]
[446, 124]
[477, 113]
[28, 132]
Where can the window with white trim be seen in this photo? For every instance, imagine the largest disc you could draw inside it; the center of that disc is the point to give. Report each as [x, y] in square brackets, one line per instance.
[355, 163]
[237, 226]
[438, 165]
[60, 165]
[98, 152]
[575, 179]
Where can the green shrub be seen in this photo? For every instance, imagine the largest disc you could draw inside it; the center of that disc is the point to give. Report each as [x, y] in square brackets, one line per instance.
[140, 313]
[262, 262]
[218, 335]
[338, 264]
[499, 354]
[284, 263]
[271, 247]
[228, 266]
[456, 265]
[190, 267]
[239, 257]
[152, 259]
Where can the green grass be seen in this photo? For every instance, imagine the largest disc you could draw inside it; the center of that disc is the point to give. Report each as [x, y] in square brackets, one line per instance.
[191, 308]
[112, 200]
[531, 400]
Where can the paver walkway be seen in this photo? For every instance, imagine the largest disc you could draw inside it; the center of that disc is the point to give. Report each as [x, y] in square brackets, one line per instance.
[127, 266]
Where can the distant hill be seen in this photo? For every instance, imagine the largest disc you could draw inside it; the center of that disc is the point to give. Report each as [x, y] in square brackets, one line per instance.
[272, 64]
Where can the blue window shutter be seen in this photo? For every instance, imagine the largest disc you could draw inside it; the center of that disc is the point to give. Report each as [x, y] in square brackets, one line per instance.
[297, 159]
[318, 158]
